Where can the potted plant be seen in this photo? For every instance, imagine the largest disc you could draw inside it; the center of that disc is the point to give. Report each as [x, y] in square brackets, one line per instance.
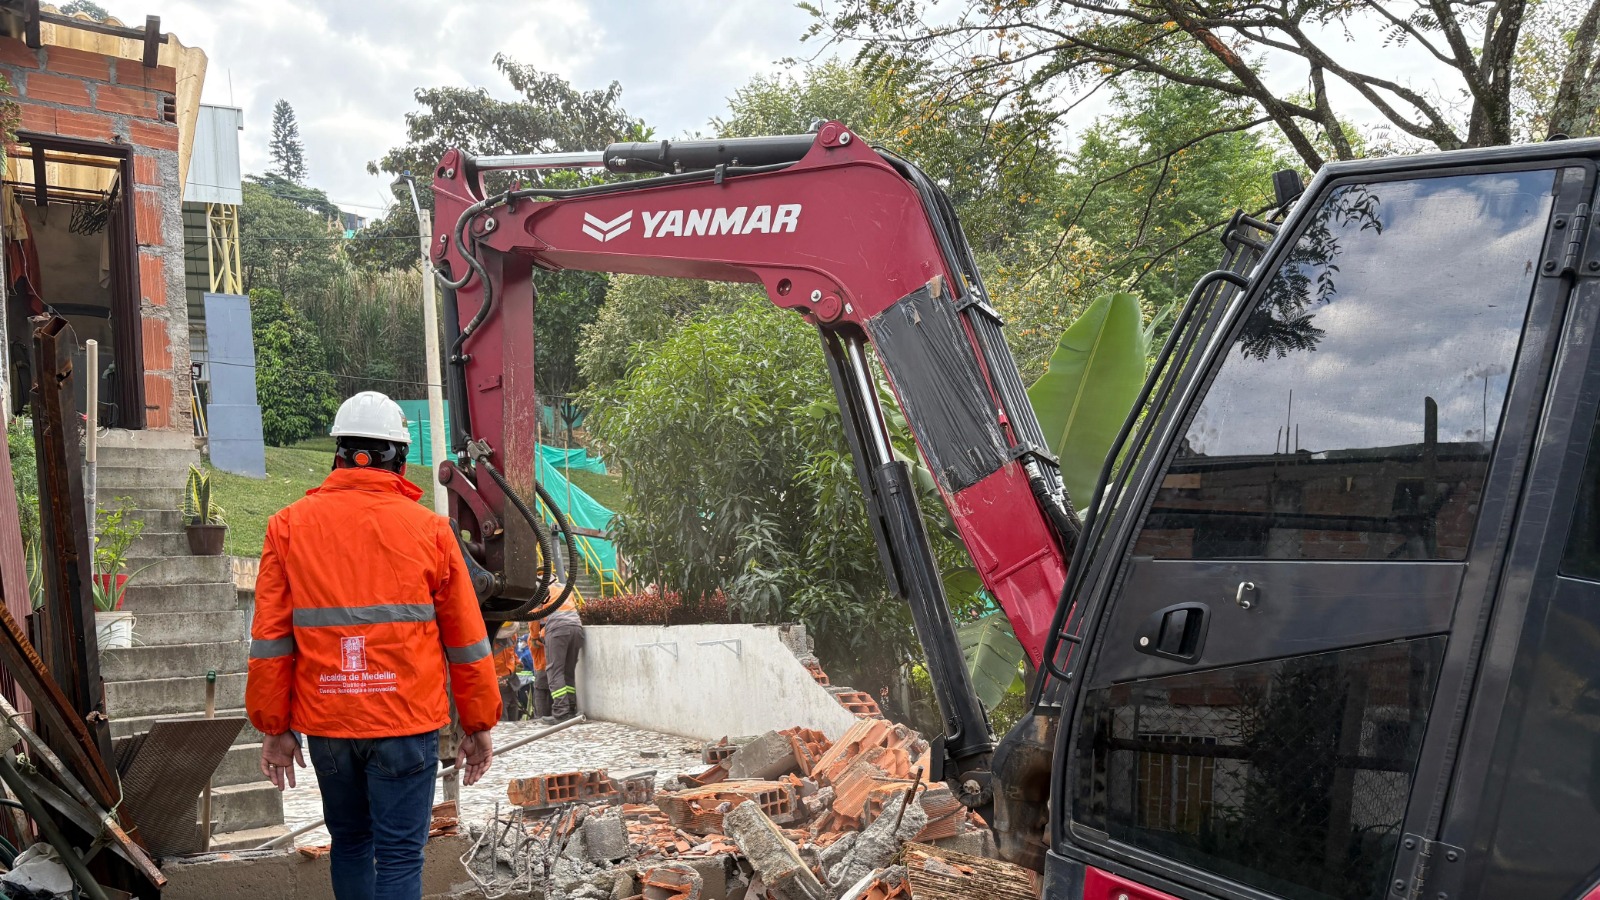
[202, 518]
[115, 533]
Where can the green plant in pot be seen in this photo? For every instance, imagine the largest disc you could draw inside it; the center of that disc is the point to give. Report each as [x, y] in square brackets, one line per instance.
[202, 518]
[115, 531]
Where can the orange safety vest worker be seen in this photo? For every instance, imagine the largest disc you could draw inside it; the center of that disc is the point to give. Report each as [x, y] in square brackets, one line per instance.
[363, 603]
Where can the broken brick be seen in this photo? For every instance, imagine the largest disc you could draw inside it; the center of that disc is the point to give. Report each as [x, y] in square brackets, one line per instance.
[551, 791]
[701, 810]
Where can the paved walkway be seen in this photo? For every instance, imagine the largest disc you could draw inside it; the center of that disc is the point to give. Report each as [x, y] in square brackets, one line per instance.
[592, 745]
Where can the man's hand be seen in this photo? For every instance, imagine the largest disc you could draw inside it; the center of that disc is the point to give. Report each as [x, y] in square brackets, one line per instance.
[473, 757]
[278, 751]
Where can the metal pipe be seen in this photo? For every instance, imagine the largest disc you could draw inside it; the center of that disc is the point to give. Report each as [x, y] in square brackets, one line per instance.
[856, 357]
[280, 840]
[91, 442]
[52, 833]
[579, 160]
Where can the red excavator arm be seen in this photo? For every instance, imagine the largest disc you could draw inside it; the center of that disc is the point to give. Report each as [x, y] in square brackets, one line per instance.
[858, 242]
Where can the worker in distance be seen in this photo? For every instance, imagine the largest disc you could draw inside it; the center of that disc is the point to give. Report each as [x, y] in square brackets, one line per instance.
[363, 605]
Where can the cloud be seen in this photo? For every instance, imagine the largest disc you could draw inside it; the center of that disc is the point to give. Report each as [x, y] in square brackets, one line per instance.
[350, 68]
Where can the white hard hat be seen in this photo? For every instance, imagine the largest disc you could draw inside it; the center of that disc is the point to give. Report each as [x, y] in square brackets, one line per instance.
[370, 414]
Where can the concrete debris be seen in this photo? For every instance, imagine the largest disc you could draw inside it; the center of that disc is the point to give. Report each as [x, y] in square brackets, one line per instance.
[605, 837]
[773, 856]
[787, 815]
[877, 845]
[767, 757]
[933, 873]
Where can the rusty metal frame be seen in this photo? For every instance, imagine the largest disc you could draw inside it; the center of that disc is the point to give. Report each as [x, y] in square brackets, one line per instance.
[68, 641]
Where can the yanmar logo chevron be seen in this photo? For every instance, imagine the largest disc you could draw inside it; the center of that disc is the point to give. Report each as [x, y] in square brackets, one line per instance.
[782, 218]
[603, 231]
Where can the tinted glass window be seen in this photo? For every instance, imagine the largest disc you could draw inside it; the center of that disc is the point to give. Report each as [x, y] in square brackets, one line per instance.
[1582, 557]
[1291, 776]
[1355, 414]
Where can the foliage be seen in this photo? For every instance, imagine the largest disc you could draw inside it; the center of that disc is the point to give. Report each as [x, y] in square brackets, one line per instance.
[288, 152]
[993, 656]
[116, 528]
[297, 399]
[198, 509]
[568, 301]
[997, 172]
[1155, 181]
[10, 111]
[1058, 53]
[25, 474]
[640, 312]
[283, 245]
[654, 608]
[1043, 287]
[1092, 382]
[370, 326]
[87, 7]
[549, 115]
[738, 478]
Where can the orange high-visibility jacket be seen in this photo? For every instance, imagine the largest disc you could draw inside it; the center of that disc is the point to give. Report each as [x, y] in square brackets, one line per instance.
[362, 602]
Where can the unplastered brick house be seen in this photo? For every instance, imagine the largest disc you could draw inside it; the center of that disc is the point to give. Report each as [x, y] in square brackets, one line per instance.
[93, 202]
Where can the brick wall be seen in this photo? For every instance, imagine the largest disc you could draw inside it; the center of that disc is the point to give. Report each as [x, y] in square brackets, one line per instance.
[77, 94]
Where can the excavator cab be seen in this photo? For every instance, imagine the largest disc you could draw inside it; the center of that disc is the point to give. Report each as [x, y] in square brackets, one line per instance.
[1333, 626]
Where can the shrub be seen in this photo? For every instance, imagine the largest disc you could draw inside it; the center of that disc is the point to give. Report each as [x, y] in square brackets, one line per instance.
[655, 608]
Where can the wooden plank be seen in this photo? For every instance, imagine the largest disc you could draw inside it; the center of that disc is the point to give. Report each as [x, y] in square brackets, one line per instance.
[13, 574]
[152, 41]
[938, 874]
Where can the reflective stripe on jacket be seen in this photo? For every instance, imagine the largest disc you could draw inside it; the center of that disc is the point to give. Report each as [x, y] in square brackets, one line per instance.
[363, 602]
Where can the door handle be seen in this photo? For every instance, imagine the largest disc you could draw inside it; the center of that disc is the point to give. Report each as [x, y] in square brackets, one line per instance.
[1175, 632]
[1246, 595]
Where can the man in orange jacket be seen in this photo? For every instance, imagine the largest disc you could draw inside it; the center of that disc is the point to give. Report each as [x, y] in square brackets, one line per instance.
[363, 606]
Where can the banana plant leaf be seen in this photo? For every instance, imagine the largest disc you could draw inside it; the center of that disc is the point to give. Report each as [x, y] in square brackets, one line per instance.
[1092, 382]
[993, 656]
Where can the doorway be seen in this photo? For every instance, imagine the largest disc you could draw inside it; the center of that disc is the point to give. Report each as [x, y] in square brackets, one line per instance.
[71, 249]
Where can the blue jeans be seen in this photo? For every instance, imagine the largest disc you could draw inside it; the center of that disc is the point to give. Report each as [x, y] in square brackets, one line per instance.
[377, 795]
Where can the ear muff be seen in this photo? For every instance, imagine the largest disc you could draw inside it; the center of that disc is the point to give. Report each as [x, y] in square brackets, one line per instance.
[361, 458]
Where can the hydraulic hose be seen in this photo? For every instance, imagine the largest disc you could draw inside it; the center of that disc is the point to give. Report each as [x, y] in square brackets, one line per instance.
[531, 608]
[564, 526]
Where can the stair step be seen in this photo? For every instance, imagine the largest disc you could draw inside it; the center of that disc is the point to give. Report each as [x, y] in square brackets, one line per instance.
[173, 660]
[153, 629]
[165, 520]
[126, 726]
[241, 765]
[141, 497]
[207, 596]
[247, 838]
[237, 807]
[156, 695]
[111, 480]
[180, 569]
[161, 543]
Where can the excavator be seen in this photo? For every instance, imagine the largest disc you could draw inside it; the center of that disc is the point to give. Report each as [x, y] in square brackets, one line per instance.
[1329, 626]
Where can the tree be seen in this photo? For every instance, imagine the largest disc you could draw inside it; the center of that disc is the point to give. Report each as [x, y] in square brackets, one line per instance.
[288, 153]
[549, 116]
[1073, 48]
[284, 246]
[370, 326]
[996, 171]
[738, 479]
[297, 398]
[93, 10]
[640, 312]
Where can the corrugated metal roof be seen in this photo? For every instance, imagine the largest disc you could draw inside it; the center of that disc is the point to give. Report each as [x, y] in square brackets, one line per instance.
[214, 173]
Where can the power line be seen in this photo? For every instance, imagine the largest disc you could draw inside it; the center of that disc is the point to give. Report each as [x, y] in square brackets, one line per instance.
[397, 237]
[422, 384]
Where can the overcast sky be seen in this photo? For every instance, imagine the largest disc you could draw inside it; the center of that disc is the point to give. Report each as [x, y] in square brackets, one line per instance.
[349, 67]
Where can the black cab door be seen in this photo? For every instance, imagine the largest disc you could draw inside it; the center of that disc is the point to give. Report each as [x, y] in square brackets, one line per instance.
[1304, 576]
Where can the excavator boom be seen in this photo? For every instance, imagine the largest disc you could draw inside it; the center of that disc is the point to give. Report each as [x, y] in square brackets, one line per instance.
[859, 243]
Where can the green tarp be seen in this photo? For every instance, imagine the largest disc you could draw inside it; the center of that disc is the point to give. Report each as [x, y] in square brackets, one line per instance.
[582, 509]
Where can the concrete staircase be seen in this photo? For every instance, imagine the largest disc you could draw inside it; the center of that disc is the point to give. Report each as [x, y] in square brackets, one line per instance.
[187, 622]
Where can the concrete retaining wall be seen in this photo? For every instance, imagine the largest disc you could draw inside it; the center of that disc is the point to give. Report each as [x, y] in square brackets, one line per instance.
[704, 681]
[289, 875]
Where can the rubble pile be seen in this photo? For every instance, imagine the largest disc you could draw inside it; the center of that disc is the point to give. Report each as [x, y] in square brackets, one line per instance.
[787, 815]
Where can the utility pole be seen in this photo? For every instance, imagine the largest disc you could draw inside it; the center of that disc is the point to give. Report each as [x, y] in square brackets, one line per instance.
[430, 324]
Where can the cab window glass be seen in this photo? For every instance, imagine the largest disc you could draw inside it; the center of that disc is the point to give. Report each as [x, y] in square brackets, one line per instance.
[1355, 414]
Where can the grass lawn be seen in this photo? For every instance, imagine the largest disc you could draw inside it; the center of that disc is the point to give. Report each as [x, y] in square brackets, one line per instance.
[605, 489]
[291, 471]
